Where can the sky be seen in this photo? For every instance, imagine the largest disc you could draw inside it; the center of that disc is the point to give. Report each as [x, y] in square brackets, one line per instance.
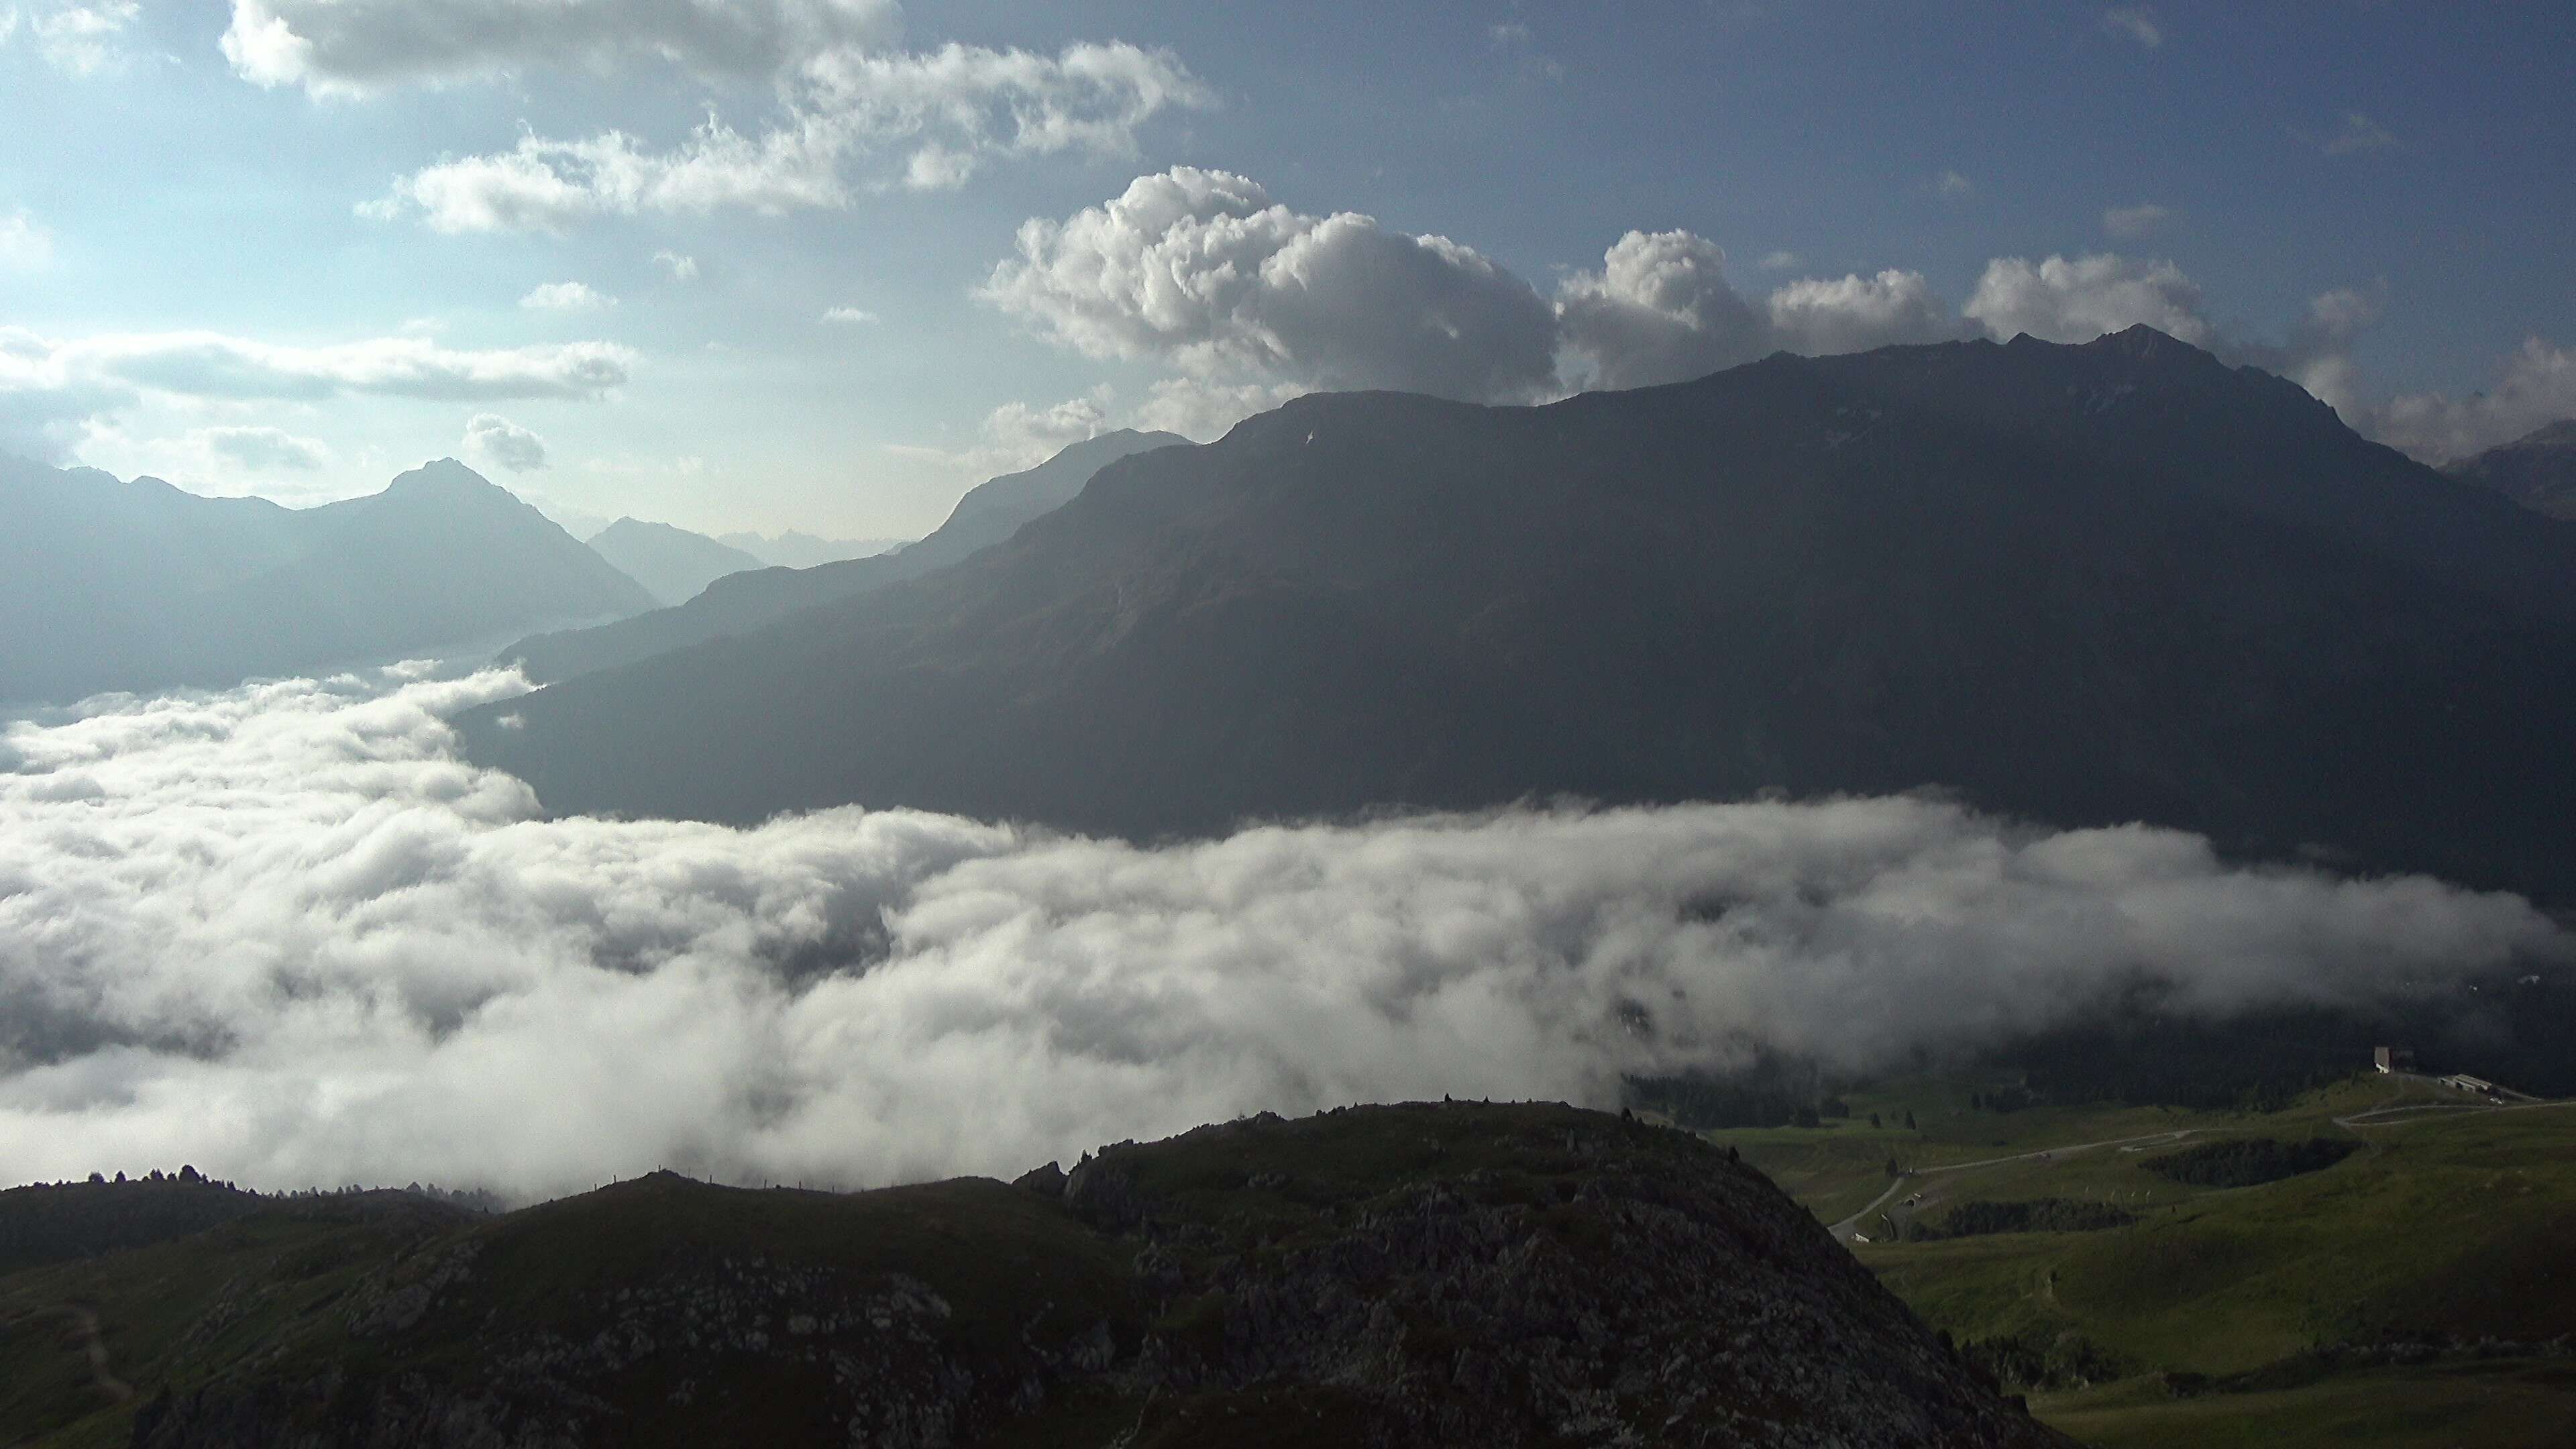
[826, 263]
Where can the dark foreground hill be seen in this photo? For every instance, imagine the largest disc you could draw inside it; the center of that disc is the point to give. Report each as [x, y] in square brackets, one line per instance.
[136, 586]
[744, 602]
[1420, 1275]
[2537, 470]
[2089, 584]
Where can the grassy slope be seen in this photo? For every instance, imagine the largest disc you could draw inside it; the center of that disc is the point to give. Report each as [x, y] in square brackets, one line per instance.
[2450, 1225]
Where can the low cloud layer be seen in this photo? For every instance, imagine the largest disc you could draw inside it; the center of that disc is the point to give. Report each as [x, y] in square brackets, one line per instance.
[281, 933]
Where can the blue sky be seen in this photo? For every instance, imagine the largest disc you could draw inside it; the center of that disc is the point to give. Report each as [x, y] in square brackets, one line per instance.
[289, 247]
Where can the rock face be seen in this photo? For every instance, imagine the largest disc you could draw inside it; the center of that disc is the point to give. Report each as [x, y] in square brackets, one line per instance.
[1421, 1275]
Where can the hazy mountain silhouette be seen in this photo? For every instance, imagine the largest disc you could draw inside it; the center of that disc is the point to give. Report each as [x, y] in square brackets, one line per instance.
[797, 550]
[671, 563]
[2089, 584]
[2536, 470]
[108, 585]
[989, 513]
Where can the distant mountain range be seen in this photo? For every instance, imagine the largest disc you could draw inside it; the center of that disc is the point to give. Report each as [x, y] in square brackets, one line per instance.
[989, 513]
[2537, 470]
[671, 563]
[795, 550]
[110, 585]
[2086, 584]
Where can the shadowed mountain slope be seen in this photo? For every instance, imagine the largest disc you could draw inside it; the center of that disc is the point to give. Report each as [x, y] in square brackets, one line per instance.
[134, 586]
[2537, 470]
[1379, 1276]
[989, 513]
[2087, 584]
[672, 564]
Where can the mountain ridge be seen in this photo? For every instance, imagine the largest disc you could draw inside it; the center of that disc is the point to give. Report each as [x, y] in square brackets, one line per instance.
[748, 601]
[141, 585]
[2536, 470]
[2086, 585]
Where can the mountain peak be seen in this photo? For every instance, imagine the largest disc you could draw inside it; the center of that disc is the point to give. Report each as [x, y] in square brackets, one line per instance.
[445, 477]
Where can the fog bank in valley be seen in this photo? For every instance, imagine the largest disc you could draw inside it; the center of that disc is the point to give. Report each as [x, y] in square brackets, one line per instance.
[283, 934]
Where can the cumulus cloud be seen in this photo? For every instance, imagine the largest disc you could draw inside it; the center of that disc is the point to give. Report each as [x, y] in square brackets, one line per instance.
[2129, 222]
[936, 117]
[2535, 386]
[1202, 411]
[849, 316]
[566, 297]
[25, 246]
[678, 267]
[1204, 268]
[1822, 316]
[491, 438]
[1952, 184]
[261, 449]
[343, 46]
[1661, 310]
[1017, 435]
[2136, 22]
[284, 934]
[2058, 300]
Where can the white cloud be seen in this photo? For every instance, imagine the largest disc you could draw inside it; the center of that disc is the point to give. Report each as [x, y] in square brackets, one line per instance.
[1659, 310]
[2136, 22]
[2535, 386]
[2357, 132]
[52, 389]
[849, 316]
[949, 111]
[566, 297]
[2058, 300]
[1016, 435]
[207, 364]
[260, 449]
[1203, 268]
[1779, 261]
[25, 246]
[493, 439]
[281, 933]
[1951, 183]
[2130, 222]
[79, 39]
[679, 268]
[343, 46]
[1822, 316]
[1203, 411]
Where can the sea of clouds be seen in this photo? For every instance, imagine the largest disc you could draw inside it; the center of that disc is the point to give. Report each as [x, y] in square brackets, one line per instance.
[284, 934]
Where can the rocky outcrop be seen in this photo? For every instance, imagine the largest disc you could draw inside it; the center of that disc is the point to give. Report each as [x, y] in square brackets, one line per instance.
[1422, 1275]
